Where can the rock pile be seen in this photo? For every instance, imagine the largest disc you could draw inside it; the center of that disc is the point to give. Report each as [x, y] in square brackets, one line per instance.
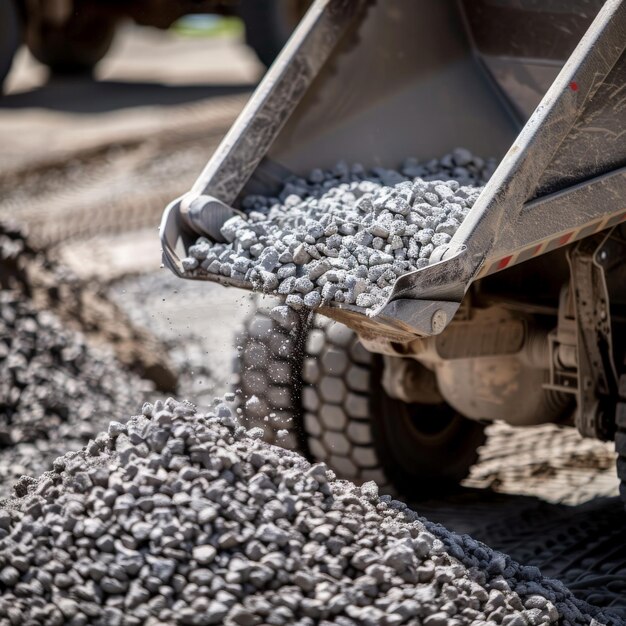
[37, 276]
[344, 235]
[186, 518]
[55, 392]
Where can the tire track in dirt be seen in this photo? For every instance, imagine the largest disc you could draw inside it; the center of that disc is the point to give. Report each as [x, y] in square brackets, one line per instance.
[119, 183]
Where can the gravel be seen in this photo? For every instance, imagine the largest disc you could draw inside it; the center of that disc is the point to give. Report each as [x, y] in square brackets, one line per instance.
[56, 392]
[186, 518]
[346, 234]
[37, 275]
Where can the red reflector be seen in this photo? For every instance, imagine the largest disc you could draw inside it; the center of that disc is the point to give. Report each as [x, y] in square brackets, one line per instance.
[565, 238]
[504, 262]
[573, 86]
[537, 249]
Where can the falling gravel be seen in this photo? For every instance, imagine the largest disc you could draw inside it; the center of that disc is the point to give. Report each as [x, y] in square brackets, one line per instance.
[187, 518]
[56, 392]
[344, 235]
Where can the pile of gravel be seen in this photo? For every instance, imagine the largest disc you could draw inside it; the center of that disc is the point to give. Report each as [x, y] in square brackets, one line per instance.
[178, 517]
[55, 392]
[344, 235]
[82, 306]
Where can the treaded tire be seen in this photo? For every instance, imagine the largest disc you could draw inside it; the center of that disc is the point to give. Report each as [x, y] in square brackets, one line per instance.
[324, 388]
[363, 434]
[620, 437]
[76, 46]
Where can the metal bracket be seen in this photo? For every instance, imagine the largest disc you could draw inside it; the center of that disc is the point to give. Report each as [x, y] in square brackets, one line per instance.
[597, 375]
[206, 215]
[562, 345]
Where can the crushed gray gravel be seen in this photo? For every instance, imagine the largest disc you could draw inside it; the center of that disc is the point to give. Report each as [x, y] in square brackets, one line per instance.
[186, 518]
[344, 235]
[56, 392]
[36, 274]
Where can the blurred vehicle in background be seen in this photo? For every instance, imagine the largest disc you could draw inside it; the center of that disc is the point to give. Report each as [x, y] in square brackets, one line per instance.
[71, 36]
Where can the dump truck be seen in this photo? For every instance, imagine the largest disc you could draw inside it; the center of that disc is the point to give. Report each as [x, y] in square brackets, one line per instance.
[520, 317]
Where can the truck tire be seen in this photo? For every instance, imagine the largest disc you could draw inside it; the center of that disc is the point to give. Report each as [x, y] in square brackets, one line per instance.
[620, 437]
[10, 36]
[339, 413]
[269, 23]
[364, 434]
[74, 47]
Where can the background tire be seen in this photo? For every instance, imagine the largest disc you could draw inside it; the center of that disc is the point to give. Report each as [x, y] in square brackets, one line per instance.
[76, 46]
[269, 23]
[339, 413]
[10, 36]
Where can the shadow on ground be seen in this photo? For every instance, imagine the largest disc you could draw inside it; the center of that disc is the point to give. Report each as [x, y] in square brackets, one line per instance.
[86, 95]
[583, 545]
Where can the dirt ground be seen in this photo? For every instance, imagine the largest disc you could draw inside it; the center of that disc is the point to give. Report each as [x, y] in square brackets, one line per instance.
[89, 165]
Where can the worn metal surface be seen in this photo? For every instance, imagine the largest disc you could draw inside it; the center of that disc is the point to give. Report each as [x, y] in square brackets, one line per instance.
[281, 89]
[523, 43]
[497, 212]
[597, 375]
[404, 82]
[540, 198]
